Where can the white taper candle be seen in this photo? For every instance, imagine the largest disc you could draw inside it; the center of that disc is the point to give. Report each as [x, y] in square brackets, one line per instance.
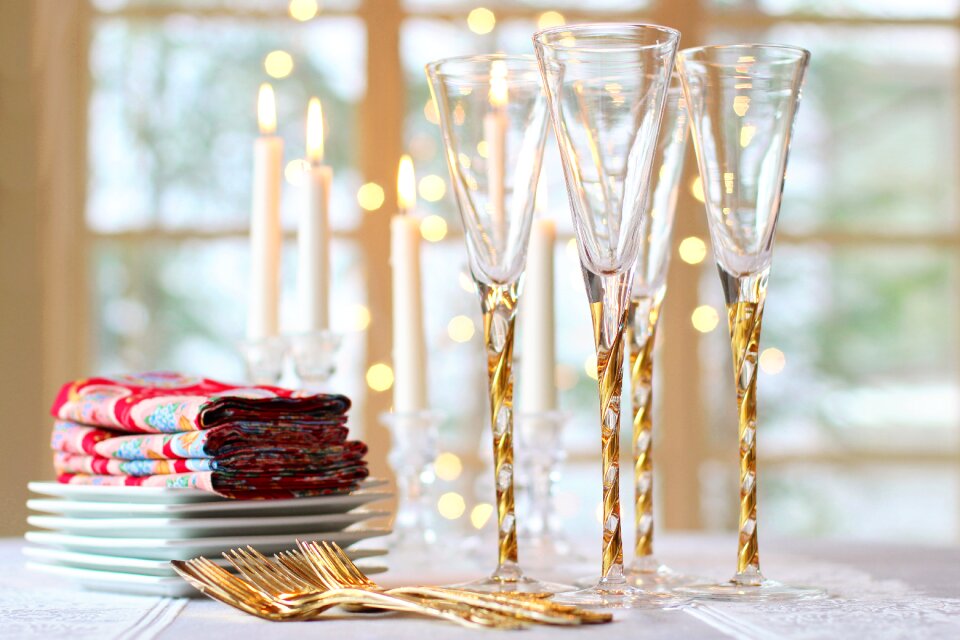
[263, 313]
[538, 391]
[409, 350]
[313, 237]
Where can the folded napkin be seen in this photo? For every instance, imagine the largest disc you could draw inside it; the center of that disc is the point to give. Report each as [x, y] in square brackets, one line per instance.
[232, 485]
[218, 442]
[267, 460]
[170, 402]
[169, 430]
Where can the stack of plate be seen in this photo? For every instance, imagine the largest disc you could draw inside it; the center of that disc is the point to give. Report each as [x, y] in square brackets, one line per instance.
[123, 538]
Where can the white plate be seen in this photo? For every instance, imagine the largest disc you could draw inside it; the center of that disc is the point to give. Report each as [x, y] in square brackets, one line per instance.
[317, 505]
[158, 568]
[201, 527]
[148, 495]
[184, 549]
[128, 583]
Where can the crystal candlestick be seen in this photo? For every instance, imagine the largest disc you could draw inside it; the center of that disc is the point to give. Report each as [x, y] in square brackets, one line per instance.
[315, 357]
[413, 451]
[540, 436]
[264, 358]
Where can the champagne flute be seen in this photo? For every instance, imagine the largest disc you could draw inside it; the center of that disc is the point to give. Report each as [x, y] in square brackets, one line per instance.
[743, 100]
[649, 289]
[606, 85]
[493, 116]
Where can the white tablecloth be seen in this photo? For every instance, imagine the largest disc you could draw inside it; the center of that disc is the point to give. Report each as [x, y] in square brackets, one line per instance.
[878, 592]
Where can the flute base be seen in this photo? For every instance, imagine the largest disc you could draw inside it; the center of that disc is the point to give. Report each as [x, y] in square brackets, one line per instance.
[609, 593]
[651, 576]
[513, 582]
[765, 591]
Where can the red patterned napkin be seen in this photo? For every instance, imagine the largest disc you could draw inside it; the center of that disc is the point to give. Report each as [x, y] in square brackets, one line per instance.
[237, 441]
[170, 402]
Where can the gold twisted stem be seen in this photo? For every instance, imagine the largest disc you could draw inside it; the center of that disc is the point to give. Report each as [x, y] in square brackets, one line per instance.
[609, 306]
[745, 299]
[499, 305]
[641, 336]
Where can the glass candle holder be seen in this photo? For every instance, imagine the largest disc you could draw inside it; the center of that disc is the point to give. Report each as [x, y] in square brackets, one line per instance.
[264, 359]
[413, 450]
[315, 357]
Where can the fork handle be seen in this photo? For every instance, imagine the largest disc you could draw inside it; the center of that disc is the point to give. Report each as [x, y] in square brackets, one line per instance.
[413, 604]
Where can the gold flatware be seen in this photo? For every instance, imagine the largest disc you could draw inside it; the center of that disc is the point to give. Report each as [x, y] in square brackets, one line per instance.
[236, 592]
[333, 568]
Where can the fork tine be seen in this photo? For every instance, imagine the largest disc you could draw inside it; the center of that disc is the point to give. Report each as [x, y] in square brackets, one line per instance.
[228, 586]
[295, 565]
[334, 563]
[344, 565]
[213, 590]
[316, 562]
[267, 574]
[256, 574]
[349, 564]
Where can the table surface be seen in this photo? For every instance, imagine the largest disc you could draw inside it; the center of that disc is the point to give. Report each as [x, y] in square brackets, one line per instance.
[877, 591]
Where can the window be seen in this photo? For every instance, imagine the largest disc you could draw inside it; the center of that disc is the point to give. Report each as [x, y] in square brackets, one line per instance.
[859, 390]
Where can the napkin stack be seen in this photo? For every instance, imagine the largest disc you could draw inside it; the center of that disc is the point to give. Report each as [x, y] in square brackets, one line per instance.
[170, 430]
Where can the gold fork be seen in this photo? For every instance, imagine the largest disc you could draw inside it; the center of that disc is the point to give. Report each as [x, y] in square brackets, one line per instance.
[232, 590]
[288, 589]
[335, 569]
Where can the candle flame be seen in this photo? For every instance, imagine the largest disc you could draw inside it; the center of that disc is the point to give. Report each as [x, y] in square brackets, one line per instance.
[267, 110]
[314, 131]
[406, 184]
[498, 83]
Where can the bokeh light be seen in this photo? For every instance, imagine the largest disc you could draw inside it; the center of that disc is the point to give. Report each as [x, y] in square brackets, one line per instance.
[704, 318]
[380, 377]
[447, 466]
[692, 250]
[460, 329]
[772, 361]
[370, 196]
[481, 20]
[433, 228]
[696, 189]
[480, 515]
[278, 64]
[303, 10]
[359, 317]
[451, 505]
[549, 19]
[432, 187]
